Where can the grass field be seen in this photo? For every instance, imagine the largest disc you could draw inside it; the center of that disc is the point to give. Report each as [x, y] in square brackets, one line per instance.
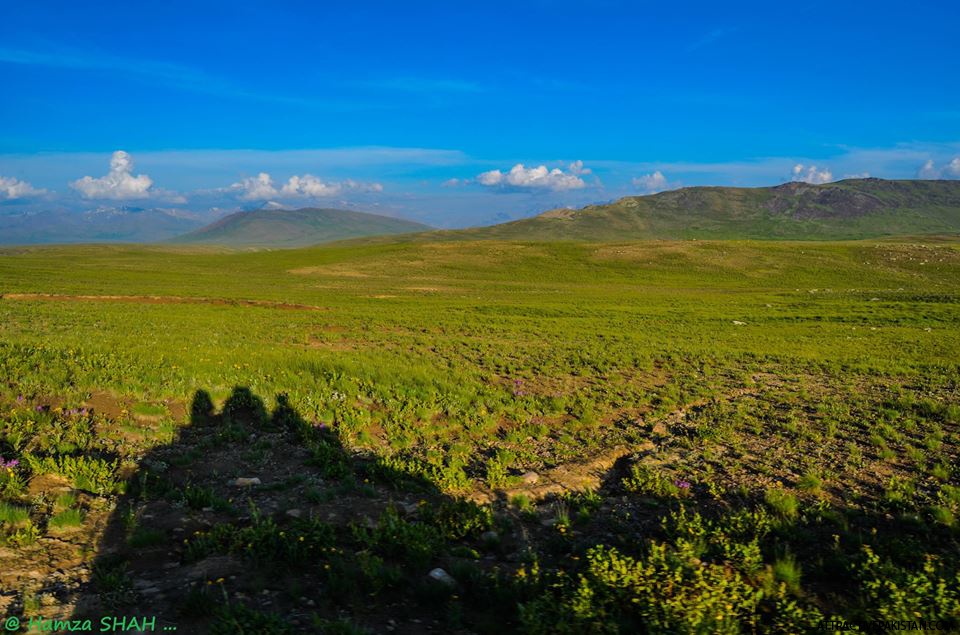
[663, 436]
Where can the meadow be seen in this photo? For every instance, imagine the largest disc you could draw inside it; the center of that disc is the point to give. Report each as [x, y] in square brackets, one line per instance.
[659, 436]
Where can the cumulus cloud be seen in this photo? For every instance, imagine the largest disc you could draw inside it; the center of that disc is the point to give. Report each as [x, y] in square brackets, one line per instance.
[11, 188]
[119, 183]
[931, 170]
[650, 183]
[261, 187]
[255, 188]
[538, 178]
[811, 174]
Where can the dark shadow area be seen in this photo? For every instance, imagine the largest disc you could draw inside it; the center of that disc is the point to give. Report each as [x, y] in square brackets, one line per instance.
[259, 521]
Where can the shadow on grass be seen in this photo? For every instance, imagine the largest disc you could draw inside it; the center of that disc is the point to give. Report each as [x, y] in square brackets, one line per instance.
[259, 521]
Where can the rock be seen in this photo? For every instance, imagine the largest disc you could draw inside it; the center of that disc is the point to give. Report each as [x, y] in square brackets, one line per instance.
[409, 509]
[441, 576]
[739, 323]
[294, 513]
[529, 478]
[490, 536]
[245, 482]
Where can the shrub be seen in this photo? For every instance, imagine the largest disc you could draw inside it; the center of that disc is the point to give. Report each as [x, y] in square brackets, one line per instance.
[644, 480]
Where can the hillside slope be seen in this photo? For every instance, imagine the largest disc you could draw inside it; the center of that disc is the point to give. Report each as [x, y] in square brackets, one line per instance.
[94, 226]
[296, 228]
[850, 209]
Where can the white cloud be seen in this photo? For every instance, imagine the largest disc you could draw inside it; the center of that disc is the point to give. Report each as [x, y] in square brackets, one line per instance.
[261, 187]
[11, 188]
[255, 188]
[811, 174]
[928, 171]
[450, 183]
[119, 183]
[650, 183]
[949, 170]
[953, 168]
[538, 178]
[859, 175]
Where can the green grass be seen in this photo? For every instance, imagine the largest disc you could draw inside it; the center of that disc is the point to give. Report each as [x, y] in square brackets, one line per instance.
[66, 519]
[781, 418]
[13, 515]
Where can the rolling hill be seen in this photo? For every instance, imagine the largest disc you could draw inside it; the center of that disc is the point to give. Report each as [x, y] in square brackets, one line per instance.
[103, 224]
[296, 228]
[849, 209]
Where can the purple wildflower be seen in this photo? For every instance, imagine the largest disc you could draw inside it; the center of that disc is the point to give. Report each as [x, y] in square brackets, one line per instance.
[682, 484]
[19, 398]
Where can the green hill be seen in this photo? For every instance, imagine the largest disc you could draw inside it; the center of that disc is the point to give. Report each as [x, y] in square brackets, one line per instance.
[850, 209]
[296, 228]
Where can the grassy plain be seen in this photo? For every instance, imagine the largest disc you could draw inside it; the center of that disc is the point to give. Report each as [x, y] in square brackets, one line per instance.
[662, 436]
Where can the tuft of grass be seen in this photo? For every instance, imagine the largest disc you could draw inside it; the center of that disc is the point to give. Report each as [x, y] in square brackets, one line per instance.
[787, 570]
[67, 519]
[810, 482]
[782, 503]
[13, 515]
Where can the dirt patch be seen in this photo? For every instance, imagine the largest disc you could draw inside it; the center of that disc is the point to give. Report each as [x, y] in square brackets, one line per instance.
[576, 476]
[106, 404]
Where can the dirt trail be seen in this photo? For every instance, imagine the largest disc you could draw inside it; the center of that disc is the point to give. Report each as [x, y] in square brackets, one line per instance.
[578, 476]
[160, 299]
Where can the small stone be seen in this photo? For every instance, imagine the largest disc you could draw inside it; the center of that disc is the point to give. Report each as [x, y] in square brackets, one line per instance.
[739, 323]
[245, 482]
[441, 576]
[490, 536]
[294, 513]
[529, 478]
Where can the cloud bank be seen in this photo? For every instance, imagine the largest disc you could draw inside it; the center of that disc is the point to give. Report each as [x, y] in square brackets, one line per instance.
[261, 187]
[11, 189]
[950, 170]
[119, 183]
[539, 178]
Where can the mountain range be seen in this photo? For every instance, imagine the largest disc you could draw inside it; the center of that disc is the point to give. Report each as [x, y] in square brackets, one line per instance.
[842, 210]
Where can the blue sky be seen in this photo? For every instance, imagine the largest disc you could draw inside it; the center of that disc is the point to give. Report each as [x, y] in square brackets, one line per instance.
[422, 109]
